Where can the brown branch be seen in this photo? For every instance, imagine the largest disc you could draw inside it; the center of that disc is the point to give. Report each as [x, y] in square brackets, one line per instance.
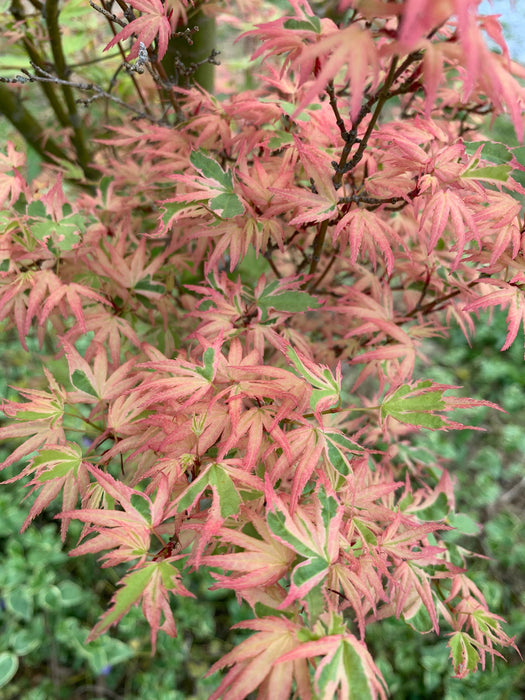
[318, 247]
[62, 70]
[32, 132]
[380, 98]
[35, 57]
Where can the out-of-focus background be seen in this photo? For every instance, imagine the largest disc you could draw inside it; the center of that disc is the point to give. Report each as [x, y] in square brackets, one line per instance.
[512, 17]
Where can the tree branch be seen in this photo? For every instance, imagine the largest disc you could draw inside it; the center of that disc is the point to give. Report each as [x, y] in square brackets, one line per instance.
[62, 71]
[12, 108]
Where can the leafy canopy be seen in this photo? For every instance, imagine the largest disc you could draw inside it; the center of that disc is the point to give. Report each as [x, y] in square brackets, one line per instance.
[237, 300]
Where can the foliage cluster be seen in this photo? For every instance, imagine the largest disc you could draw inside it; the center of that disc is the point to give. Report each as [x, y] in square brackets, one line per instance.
[49, 603]
[414, 666]
[237, 288]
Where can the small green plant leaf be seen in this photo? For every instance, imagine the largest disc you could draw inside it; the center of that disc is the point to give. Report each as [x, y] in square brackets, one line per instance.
[227, 205]
[19, 602]
[311, 24]
[229, 499]
[277, 523]
[464, 655]
[414, 405]
[8, 667]
[291, 301]
[133, 586]
[464, 523]
[489, 172]
[81, 382]
[211, 169]
[59, 461]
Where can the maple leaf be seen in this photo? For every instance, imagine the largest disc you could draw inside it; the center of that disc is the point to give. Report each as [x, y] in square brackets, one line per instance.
[94, 384]
[379, 324]
[133, 272]
[465, 653]
[287, 34]
[360, 228]
[42, 283]
[360, 584]
[57, 468]
[305, 446]
[509, 295]
[351, 47]
[11, 181]
[421, 17]
[250, 432]
[259, 662]
[422, 404]
[151, 584]
[447, 205]
[225, 502]
[107, 330]
[346, 671]
[262, 562]
[40, 417]
[126, 533]
[472, 614]
[214, 187]
[315, 539]
[310, 206]
[54, 199]
[501, 217]
[72, 292]
[156, 22]
[411, 590]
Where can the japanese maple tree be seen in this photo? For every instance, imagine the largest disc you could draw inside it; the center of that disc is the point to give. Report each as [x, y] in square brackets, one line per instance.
[239, 296]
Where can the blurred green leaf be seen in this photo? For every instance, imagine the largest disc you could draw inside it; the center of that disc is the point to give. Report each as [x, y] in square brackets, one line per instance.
[8, 667]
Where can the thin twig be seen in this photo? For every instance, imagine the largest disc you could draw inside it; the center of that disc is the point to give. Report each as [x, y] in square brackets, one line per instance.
[43, 76]
[108, 15]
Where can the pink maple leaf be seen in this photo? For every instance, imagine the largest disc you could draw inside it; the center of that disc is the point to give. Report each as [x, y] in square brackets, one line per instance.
[156, 22]
[259, 660]
[11, 182]
[509, 295]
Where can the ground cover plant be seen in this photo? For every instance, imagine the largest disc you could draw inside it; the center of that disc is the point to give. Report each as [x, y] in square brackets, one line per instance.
[237, 282]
